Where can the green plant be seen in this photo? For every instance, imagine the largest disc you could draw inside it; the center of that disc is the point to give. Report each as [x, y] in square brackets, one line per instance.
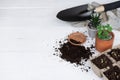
[95, 20]
[104, 32]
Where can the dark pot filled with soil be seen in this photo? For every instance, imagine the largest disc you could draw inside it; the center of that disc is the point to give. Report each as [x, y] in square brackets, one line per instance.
[115, 54]
[112, 73]
[102, 62]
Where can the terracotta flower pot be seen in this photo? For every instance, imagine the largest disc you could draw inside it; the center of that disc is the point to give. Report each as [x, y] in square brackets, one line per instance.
[77, 38]
[102, 45]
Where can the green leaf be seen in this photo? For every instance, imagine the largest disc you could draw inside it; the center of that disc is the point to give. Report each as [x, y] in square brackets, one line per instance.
[95, 19]
[103, 31]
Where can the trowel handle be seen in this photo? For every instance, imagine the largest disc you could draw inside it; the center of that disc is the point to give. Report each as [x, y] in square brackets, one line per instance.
[107, 7]
[111, 6]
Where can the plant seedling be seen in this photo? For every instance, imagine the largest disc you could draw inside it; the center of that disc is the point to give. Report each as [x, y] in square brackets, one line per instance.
[95, 20]
[104, 32]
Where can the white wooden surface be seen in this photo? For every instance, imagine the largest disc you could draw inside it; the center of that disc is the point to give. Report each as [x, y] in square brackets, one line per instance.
[28, 32]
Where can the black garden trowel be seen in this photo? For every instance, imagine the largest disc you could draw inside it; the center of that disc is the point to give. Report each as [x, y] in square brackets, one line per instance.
[81, 13]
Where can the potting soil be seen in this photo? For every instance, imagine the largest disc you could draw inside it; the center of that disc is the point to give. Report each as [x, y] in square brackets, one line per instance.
[74, 54]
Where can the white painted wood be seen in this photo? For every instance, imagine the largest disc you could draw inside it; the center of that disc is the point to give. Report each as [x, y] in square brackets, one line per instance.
[28, 31]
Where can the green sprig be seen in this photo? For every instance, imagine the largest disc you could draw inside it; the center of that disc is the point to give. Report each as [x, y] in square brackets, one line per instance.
[95, 20]
[104, 32]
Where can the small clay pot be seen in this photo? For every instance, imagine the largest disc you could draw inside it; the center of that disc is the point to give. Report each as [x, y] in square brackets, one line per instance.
[102, 45]
[76, 38]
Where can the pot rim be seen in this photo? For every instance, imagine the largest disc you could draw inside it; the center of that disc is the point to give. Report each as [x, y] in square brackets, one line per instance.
[92, 29]
[91, 26]
[76, 35]
[112, 33]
